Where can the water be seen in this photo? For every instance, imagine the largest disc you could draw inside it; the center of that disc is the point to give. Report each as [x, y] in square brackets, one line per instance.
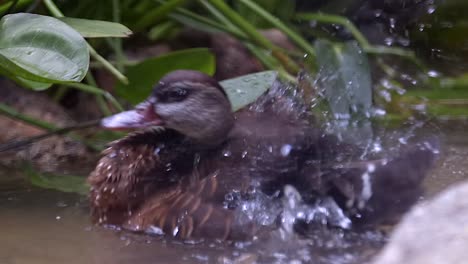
[45, 226]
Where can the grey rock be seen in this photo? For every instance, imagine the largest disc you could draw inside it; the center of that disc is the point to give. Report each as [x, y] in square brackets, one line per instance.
[434, 232]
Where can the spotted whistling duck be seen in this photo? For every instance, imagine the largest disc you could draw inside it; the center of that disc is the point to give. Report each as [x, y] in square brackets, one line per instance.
[189, 152]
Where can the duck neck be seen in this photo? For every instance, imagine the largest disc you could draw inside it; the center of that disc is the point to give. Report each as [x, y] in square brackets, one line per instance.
[214, 134]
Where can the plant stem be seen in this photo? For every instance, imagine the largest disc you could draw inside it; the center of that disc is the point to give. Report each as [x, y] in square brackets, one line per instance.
[360, 38]
[60, 131]
[333, 19]
[99, 98]
[97, 91]
[107, 65]
[12, 113]
[301, 42]
[157, 13]
[53, 8]
[120, 56]
[218, 15]
[59, 93]
[4, 9]
[254, 35]
[191, 19]
[57, 13]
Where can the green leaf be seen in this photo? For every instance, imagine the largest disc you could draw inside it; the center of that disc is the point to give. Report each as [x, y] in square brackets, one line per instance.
[97, 28]
[42, 49]
[33, 85]
[345, 76]
[36, 86]
[5, 5]
[144, 75]
[281, 9]
[63, 183]
[245, 90]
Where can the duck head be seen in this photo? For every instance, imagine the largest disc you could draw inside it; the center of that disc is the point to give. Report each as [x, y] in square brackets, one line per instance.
[189, 102]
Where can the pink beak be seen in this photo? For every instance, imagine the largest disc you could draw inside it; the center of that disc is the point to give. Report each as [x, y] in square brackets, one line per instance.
[140, 117]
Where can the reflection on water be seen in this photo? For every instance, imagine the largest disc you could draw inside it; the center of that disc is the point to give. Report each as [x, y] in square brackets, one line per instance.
[44, 226]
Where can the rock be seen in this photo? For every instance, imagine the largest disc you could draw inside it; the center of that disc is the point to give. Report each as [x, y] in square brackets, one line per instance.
[434, 232]
[50, 154]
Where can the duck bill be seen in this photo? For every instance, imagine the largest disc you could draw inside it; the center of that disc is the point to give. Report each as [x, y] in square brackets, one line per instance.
[133, 119]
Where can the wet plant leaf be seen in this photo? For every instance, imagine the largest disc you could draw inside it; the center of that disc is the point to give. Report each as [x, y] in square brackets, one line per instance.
[42, 49]
[97, 28]
[63, 183]
[144, 75]
[345, 77]
[246, 89]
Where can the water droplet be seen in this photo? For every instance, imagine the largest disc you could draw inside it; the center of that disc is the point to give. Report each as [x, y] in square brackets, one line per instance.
[157, 150]
[388, 41]
[403, 140]
[285, 150]
[421, 27]
[168, 166]
[61, 204]
[175, 231]
[379, 112]
[376, 147]
[244, 154]
[227, 153]
[433, 73]
[155, 230]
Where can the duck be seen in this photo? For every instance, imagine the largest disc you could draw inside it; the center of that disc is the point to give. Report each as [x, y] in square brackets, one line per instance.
[189, 162]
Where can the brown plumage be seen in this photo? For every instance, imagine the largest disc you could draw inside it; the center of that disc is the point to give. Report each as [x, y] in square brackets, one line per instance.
[177, 178]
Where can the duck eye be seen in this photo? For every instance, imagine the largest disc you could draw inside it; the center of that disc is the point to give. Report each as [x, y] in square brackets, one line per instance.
[174, 95]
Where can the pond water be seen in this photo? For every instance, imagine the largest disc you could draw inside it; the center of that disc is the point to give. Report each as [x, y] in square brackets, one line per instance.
[46, 226]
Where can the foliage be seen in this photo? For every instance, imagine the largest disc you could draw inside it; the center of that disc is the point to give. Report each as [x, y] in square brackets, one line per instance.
[42, 48]
[144, 75]
[246, 89]
[241, 91]
[63, 183]
[345, 73]
[96, 28]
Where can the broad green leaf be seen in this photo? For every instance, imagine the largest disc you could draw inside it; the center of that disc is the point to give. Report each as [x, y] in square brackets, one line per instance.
[345, 76]
[37, 86]
[33, 85]
[97, 28]
[42, 49]
[63, 183]
[143, 76]
[246, 89]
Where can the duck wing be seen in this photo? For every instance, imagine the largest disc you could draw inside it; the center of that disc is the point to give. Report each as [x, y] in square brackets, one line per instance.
[194, 210]
[130, 170]
[381, 190]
